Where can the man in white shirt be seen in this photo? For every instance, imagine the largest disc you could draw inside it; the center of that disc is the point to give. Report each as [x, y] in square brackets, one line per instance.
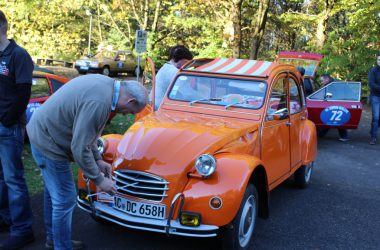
[178, 55]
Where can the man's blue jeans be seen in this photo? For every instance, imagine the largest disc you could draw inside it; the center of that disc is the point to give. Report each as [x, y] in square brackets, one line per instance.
[59, 199]
[375, 104]
[14, 196]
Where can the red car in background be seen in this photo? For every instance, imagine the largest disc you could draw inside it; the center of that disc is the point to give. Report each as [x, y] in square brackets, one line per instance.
[336, 105]
[43, 85]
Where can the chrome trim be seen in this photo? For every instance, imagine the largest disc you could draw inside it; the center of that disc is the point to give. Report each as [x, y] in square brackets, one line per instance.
[140, 180]
[170, 215]
[141, 185]
[113, 177]
[153, 225]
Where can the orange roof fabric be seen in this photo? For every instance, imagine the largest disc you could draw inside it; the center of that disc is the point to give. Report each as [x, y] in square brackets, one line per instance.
[236, 67]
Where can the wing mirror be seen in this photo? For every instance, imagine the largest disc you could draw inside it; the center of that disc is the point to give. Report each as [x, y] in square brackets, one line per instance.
[328, 95]
[279, 114]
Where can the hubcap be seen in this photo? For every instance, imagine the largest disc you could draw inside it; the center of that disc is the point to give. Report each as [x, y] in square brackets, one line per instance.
[106, 72]
[308, 171]
[247, 221]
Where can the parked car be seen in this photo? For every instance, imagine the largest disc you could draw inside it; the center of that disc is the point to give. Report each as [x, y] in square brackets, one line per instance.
[108, 62]
[227, 133]
[43, 86]
[308, 61]
[336, 105]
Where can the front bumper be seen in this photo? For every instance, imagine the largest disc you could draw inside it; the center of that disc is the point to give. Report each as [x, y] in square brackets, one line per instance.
[161, 226]
[88, 69]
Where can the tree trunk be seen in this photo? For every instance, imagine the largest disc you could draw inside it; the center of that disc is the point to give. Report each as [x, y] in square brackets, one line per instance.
[156, 15]
[236, 24]
[259, 27]
[322, 24]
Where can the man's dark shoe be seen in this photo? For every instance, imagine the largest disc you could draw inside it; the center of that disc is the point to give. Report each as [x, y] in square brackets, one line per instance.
[16, 242]
[75, 244]
[372, 141]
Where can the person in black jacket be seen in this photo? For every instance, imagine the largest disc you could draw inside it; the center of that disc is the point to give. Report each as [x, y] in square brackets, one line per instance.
[16, 68]
[374, 84]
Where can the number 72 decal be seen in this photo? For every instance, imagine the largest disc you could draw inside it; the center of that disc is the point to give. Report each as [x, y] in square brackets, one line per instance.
[335, 115]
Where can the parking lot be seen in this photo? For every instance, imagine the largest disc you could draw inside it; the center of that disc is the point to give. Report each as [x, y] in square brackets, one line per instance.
[340, 209]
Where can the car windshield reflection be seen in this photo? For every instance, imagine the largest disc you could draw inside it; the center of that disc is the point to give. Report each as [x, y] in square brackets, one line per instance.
[219, 91]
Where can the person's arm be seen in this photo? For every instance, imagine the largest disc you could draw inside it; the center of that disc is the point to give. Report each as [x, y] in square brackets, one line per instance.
[88, 123]
[23, 66]
[375, 86]
[18, 106]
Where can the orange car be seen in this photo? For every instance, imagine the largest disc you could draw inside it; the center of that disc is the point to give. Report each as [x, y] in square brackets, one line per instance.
[227, 132]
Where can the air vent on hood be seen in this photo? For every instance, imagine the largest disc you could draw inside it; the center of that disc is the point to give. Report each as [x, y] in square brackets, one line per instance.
[141, 185]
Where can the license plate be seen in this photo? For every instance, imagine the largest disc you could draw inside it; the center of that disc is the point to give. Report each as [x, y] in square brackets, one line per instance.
[141, 209]
[83, 67]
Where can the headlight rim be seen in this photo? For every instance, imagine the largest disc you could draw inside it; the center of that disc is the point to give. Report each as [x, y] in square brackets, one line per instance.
[213, 169]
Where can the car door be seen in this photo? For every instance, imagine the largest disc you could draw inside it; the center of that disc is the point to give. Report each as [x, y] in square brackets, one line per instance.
[297, 116]
[275, 132]
[336, 105]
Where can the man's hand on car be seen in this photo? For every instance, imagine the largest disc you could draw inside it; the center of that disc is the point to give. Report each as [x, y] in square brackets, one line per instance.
[105, 168]
[108, 186]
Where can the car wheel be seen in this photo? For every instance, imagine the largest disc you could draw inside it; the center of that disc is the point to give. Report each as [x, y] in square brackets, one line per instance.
[135, 71]
[239, 234]
[106, 71]
[303, 175]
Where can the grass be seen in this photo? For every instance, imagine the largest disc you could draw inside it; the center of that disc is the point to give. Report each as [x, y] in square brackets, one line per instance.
[118, 125]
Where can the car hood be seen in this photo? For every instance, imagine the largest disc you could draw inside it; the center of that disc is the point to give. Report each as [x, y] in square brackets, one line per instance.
[167, 145]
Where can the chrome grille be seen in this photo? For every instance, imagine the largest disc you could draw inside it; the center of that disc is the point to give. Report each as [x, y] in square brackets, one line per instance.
[140, 185]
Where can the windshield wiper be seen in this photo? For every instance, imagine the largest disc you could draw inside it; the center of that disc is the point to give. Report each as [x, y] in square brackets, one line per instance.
[240, 102]
[206, 100]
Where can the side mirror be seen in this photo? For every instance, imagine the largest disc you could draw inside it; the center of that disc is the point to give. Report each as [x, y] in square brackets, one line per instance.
[328, 95]
[279, 114]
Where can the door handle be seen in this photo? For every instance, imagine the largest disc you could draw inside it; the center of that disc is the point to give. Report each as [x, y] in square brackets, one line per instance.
[288, 123]
[302, 117]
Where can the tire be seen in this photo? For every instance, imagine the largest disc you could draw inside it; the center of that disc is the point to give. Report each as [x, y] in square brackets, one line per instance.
[106, 71]
[303, 175]
[239, 234]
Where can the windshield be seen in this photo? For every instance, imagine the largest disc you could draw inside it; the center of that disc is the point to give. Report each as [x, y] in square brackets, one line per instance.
[308, 65]
[106, 54]
[219, 91]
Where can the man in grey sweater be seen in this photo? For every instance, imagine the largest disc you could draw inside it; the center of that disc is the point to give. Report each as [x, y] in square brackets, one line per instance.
[64, 129]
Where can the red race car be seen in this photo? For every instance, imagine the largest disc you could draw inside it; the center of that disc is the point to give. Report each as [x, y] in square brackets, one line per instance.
[43, 86]
[336, 105]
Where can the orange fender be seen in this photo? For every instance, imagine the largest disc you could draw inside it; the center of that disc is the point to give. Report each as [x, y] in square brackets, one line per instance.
[228, 182]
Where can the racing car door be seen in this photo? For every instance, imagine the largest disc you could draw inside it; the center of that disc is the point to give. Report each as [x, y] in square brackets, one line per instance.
[336, 105]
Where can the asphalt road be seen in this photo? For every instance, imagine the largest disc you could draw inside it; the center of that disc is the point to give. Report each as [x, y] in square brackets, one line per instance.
[340, 209]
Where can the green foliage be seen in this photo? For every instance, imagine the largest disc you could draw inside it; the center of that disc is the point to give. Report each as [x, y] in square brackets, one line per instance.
[59, 29]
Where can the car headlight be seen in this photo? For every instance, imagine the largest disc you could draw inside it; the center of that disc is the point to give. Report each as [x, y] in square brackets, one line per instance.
[101, 145]
[205, 165]
[94, 64]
